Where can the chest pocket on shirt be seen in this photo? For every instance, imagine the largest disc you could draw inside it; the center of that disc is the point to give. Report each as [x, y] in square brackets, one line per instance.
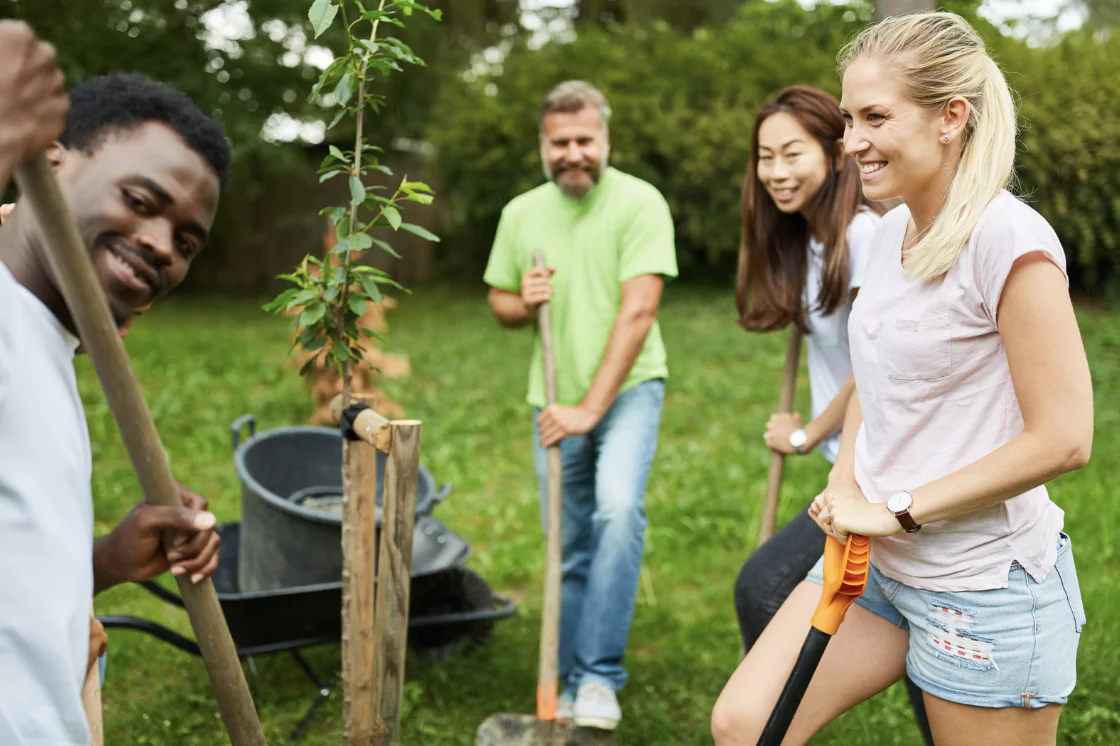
[917, 349]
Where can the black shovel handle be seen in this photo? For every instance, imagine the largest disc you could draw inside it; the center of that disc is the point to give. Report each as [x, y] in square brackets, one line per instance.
[793, 692]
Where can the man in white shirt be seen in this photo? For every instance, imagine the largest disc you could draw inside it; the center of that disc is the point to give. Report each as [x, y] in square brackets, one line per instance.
[142, 171]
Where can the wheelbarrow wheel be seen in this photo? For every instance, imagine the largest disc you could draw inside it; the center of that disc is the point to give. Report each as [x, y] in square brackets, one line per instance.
[452, 591]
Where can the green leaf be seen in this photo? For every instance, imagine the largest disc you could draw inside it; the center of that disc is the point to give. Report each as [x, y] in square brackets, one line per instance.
[341, 247]
[365, 269]
[330, 295]
[357, 191]
[337, 118]
[370, 286]
[340, 350]
[312, 313]
[416, 186]
[331, 174]
[386, 248]
[393, 215]
[345, 89]
[360, 242]
[357, 304]
[420, 231]
[339, 154]
[303, 296]
[383, 169]
[321, 15]
[371, 45]
[424, 199]
[315, 344]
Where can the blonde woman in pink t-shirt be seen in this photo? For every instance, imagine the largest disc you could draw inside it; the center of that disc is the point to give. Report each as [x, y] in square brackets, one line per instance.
[972, 392]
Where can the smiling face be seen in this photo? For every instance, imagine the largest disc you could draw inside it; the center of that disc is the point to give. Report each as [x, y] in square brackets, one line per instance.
[792, 165]
[144, 203]
[574, 150]
[894, 141]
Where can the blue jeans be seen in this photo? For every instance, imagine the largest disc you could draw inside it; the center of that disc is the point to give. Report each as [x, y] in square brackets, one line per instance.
[605, 474]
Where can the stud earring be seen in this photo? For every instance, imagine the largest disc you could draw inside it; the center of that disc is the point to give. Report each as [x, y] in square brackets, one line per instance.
[946, 138]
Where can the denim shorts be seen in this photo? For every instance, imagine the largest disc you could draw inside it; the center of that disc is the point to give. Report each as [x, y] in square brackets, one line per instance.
[1005, 647]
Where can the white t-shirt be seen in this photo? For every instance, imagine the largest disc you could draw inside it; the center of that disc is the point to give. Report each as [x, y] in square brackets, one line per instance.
[46, 527]
[936, 393]
[826, 345]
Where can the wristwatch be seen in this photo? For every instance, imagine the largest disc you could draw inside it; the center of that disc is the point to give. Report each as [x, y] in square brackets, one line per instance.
[798, 439]
[899, 503]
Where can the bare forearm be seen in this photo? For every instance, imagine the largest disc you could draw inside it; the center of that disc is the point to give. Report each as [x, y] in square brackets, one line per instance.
[510, 310]
[628, 335]
[845, 466]
[104, 575]
[832, 418]
[1023, 463]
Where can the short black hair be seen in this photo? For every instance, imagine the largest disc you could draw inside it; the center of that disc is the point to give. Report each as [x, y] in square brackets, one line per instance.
[104, 104]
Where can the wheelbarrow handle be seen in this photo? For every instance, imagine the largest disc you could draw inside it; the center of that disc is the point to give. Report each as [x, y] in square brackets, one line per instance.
[845, 577]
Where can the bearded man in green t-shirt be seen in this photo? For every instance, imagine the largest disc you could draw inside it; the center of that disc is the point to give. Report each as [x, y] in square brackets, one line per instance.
[608, 239]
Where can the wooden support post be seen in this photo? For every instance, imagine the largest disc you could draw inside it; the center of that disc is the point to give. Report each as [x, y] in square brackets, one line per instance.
[358, 557]
[394, 579]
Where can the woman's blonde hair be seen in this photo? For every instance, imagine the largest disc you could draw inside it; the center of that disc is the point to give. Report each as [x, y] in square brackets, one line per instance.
[939, 56]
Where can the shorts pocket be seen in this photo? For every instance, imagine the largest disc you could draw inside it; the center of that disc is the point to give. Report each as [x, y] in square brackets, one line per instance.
[1072, 587]
[917, 349]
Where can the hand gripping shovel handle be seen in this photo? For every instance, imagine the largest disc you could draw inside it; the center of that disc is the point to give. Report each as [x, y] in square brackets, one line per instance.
[550, 613]
[845, 577]
[70, 263]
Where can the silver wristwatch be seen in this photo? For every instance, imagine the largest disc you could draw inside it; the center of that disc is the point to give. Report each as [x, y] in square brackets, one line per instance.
[798, 439]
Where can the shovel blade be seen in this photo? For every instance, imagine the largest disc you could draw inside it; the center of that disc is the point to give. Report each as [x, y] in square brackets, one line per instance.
[526, 730]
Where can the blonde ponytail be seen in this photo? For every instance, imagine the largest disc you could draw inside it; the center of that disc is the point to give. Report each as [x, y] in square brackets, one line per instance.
[939, 57]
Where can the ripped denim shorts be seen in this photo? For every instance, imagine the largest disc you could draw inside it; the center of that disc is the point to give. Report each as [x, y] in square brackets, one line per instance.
[1006, 647]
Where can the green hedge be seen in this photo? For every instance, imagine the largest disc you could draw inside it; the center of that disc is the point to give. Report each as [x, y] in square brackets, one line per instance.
[683, 111]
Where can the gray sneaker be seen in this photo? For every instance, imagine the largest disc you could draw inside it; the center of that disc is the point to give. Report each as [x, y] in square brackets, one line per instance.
[597, 707]
[564, 707]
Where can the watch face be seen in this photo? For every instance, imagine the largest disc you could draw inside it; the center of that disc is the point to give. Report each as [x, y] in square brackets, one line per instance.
[899, 501]
[798, 438]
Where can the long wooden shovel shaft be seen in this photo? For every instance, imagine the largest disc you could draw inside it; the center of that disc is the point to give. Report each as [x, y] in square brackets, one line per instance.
[96, 328]
[777, 460]
[550, 612]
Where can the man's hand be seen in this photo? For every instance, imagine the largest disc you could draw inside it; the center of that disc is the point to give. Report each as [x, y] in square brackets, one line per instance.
[778, 429]
[134, 550]
[98, 643]
[33, 100]
[536, 286]
[842, 509]
[558, 422]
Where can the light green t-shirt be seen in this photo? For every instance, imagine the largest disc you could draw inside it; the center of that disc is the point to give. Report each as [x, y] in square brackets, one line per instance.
[621, 230]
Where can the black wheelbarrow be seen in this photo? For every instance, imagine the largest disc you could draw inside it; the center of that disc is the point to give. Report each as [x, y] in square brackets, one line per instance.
[279, 576]
[451, 609]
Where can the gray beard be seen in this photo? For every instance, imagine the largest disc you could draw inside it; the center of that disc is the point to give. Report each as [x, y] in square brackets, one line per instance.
[596, 177]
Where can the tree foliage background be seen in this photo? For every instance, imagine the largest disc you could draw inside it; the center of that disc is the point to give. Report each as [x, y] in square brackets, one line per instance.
[684, 80]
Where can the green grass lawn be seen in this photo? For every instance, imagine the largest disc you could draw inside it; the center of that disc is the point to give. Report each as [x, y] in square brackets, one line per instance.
[203, 362]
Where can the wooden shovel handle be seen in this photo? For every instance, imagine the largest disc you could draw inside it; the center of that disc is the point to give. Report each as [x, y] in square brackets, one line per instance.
[550, 613]
[69, 259]
[778, 460]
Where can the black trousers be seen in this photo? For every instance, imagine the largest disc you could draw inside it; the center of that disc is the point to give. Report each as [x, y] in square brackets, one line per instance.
[772, 572]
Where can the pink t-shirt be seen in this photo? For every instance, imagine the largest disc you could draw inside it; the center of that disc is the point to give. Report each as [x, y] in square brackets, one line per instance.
[936, 395]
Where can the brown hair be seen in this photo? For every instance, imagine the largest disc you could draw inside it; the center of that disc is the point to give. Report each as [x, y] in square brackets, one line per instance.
[773, 245]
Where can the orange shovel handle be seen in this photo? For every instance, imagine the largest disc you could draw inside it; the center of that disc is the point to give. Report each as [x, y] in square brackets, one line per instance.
[845, 576]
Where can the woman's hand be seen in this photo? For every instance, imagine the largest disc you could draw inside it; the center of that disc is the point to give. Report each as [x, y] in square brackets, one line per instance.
[841, 509]
[778, 429]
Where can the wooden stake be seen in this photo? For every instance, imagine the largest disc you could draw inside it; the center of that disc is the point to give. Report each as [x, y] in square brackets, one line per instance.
[394, 579]
[778, 460]
[69, 259]
[358, 556]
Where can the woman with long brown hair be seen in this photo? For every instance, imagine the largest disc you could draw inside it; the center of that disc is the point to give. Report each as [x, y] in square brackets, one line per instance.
[805, 235]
